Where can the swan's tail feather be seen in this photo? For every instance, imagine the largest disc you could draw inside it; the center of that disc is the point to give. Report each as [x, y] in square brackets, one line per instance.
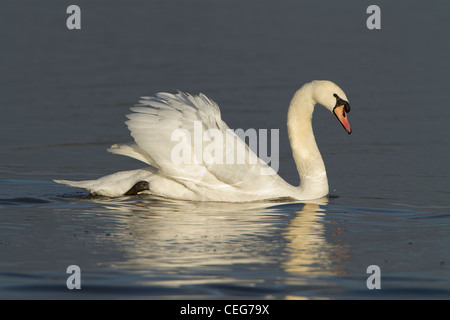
[88, 185]
[116, 184]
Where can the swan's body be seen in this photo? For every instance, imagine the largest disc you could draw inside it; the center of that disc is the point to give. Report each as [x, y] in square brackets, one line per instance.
[155, 120]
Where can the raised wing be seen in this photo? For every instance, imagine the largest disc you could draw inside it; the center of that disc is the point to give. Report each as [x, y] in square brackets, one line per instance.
[184, 137]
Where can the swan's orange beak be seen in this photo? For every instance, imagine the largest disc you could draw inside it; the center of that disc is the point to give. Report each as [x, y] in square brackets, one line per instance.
[341, 114]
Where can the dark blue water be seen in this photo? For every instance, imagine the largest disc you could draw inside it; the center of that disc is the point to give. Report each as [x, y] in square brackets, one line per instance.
[64, 94]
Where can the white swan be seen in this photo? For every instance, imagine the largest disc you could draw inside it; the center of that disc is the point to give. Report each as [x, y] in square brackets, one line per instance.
[155, 120]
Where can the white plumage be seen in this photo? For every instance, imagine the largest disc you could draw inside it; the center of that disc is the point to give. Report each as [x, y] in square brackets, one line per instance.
[153, 125]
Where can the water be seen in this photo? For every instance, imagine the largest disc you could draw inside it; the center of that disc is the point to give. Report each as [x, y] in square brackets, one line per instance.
[63, 97]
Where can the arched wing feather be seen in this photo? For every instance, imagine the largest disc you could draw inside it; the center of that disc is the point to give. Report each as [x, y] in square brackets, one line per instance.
[168, 122]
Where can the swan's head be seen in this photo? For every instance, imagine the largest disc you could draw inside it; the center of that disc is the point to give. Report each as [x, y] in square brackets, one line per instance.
[334, 99]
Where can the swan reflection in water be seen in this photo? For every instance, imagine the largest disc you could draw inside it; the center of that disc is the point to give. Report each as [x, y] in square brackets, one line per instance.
[309, 252]
[222, 242]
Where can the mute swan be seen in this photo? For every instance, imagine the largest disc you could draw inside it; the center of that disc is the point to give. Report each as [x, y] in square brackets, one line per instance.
[154, 121]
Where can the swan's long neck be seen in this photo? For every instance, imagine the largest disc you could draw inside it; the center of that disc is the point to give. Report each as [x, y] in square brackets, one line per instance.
[310, 166]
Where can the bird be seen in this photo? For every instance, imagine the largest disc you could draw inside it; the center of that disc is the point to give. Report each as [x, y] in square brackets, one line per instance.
[165, 129]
